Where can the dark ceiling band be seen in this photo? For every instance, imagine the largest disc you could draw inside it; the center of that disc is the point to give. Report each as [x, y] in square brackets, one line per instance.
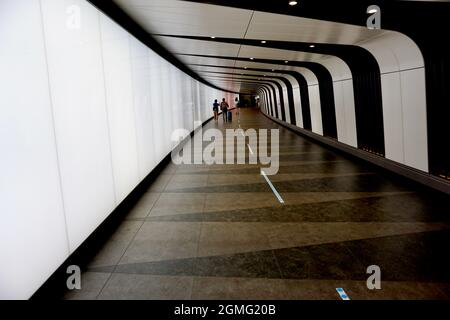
[366, 83]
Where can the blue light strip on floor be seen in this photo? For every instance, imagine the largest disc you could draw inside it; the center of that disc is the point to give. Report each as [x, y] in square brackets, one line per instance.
[342, 294]
[272, 187]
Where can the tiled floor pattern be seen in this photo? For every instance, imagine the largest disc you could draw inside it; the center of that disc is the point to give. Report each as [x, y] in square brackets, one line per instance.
[219, 232]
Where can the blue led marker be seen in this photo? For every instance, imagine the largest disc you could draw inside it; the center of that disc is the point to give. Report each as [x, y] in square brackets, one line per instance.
[342, 294]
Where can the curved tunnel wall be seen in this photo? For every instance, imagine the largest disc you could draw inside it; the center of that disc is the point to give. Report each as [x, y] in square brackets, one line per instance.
[402, 95]
[85, 115]
[382, 84]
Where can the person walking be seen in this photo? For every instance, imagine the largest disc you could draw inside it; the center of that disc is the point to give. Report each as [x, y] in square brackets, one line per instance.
[216, 110]
[238, 108]
[224, 107]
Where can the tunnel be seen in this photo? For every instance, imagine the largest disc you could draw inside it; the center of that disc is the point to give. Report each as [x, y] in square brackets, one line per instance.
[224, 150]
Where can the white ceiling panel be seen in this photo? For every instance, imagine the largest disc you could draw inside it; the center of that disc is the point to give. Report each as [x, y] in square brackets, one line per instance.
[200, 19]
[179, 45]
[205, 60]
[269, 26]
[308, 74]
[187, 18]
[210, 69]
[238, 72]
[279, 54]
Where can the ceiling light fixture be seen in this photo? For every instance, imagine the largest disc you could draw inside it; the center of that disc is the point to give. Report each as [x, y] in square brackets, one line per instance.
[263, 41]
[286, 61]
[312, 46]
[251, 58]
[374, 10]
[293, 3]
[213, 37]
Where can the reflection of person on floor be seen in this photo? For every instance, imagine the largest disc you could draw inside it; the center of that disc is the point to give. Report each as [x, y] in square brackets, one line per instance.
[224, 107]
[216, 110]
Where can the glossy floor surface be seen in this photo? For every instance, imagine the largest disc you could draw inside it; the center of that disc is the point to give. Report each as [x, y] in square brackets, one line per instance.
[220, 232]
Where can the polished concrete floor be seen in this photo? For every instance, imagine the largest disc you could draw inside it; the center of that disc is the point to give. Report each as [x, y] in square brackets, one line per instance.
[219, 232]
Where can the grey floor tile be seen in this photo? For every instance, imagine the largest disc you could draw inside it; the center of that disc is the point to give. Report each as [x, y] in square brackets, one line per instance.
[170, 203]
[146, 287]
[91, 285]
[158, 241]
[144, 205]
[115, 247]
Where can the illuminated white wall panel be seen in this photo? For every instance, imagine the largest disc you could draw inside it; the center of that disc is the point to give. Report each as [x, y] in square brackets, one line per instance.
[141, 73]
[204, 101]
[196, 93]
[33, 241]
[187, 104]
[166, 104]
[157, 107]
[81, 123]
[175, 107]
[87, 112]
[120, 107]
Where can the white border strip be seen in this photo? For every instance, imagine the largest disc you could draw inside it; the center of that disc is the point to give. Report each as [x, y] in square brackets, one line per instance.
[272, 187]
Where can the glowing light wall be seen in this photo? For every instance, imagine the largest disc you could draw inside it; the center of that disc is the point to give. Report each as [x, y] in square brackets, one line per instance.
[86, 112]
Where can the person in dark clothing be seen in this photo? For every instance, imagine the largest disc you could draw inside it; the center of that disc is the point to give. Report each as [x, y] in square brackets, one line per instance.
[216, 110]
[224, 107]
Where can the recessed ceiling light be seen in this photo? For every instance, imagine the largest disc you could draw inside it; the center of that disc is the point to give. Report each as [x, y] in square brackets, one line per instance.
[373, 10]
[263, 41]
[245, 67]
[286, 61]
[293, 3]
[312, 46]
[213, 37]
[251, 58]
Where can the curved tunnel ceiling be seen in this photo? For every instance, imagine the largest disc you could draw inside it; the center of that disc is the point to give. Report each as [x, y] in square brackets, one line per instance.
[225, 33]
